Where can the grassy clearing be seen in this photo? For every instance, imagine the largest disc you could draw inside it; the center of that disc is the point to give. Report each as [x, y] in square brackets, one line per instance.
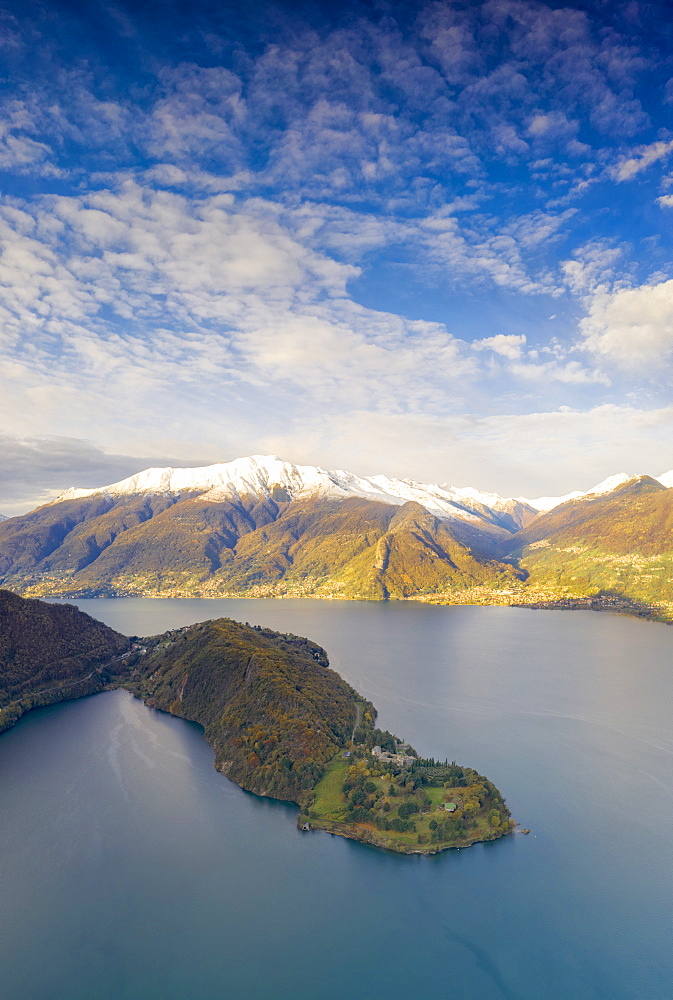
[436, 795]
[329, 799]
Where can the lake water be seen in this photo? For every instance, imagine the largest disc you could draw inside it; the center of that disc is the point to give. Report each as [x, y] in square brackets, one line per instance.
[131, 870]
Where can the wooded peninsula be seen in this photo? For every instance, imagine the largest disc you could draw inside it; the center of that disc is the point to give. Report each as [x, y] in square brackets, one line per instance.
[280, 721]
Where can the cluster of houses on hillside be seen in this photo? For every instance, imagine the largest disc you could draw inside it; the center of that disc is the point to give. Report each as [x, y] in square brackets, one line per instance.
[395, 759]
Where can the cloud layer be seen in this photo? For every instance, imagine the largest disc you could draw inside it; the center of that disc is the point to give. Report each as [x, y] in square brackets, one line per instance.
[36, 469]
[218, 233]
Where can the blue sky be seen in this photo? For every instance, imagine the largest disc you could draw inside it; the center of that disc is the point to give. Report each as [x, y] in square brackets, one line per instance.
[425, 239]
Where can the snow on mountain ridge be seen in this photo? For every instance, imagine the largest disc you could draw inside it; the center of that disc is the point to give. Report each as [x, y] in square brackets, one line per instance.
[545, 504]
[260, 474]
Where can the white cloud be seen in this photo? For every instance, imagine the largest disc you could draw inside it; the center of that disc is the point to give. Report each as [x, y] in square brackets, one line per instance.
[632, 326]
[556, 54]
[641, 159]
[21, 152]
[192, 180]
[149, 288]
[514, 454]
[572, 372]
[552, 126]
[537, 228]
[497, 257]
[593, 266]
[197, 116]
[524, 364]
[507, 345]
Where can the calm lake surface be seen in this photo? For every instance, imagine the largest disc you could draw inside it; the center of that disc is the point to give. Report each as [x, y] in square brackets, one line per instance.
[131, 870]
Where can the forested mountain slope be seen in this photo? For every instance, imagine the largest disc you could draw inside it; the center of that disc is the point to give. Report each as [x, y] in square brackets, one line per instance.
[271, 708]
[161, 544]
[49, 652]
[619, 543]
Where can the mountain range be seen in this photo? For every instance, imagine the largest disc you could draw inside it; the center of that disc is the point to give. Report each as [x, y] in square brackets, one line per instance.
[260, 526]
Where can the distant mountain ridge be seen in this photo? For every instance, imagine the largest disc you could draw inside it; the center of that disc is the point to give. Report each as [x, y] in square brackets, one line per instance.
[616, 543]
[269, 477]
[263, 527]
[543, 504]
[263, 474]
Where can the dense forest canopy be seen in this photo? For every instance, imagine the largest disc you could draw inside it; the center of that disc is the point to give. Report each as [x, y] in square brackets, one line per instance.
[270, 706]
[49, 649]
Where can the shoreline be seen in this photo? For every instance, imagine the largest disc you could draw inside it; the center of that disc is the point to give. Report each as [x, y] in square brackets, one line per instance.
[358, 832]
[479, 597]
[366, 836]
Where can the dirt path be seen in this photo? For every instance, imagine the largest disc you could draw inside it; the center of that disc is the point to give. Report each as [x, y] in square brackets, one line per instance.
[358, 716]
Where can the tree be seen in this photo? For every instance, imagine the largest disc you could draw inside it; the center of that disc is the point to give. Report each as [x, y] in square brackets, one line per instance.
[408, 809]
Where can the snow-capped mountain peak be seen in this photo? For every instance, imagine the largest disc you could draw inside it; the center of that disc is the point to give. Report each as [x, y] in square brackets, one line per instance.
[606, 486]
[264, 475]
